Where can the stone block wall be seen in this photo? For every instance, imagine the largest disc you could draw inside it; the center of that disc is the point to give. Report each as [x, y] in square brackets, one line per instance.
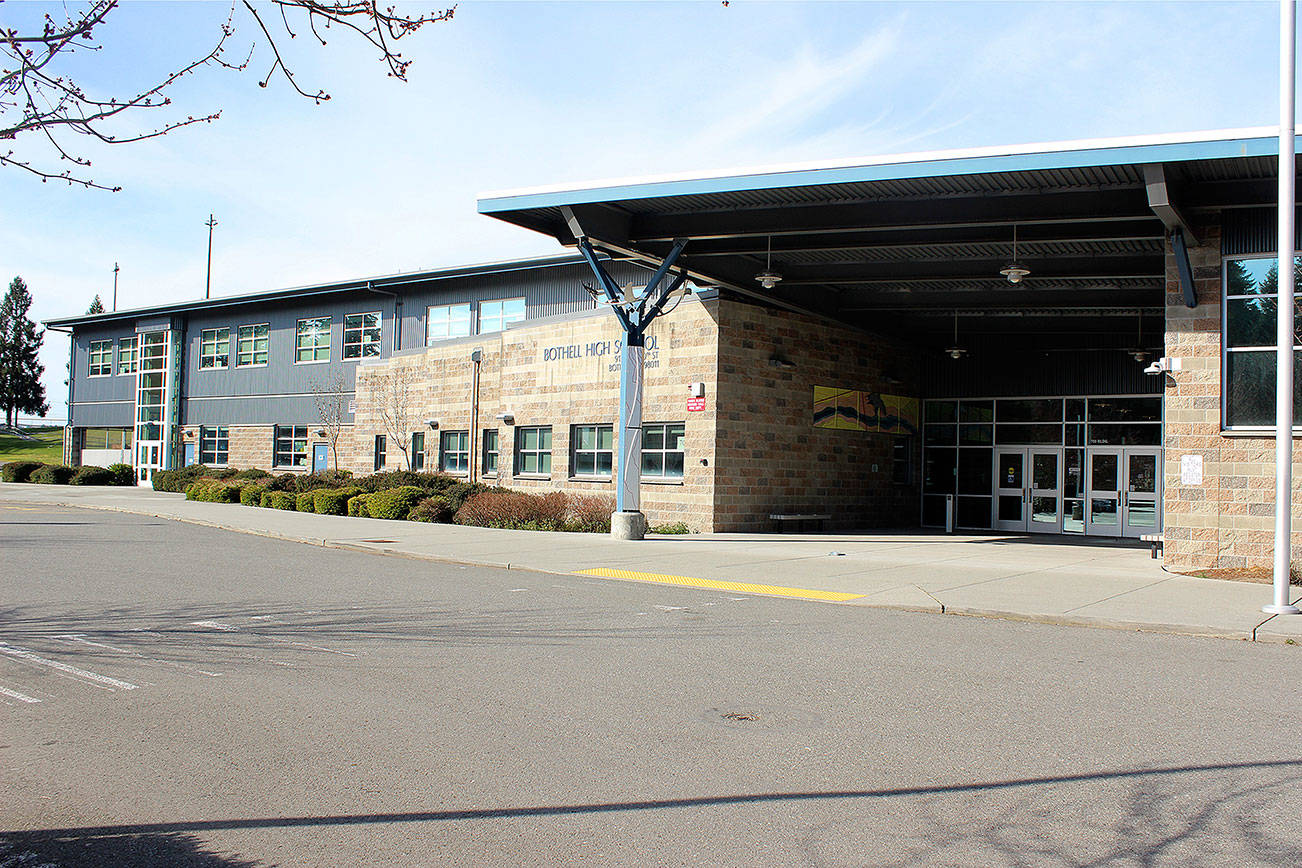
[771, 458]
[254, 446]
[1228, 520]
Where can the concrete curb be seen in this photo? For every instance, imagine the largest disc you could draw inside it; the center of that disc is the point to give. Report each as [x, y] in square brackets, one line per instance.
[1257, 634]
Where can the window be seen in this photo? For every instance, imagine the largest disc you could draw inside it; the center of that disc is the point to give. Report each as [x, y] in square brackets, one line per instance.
[497, 315]
[1248, 337]
[312, 340]
[902, 460]
[533, 450]
[214, 349]
[490, 453]
[418, 451]
[381, 447]
[128, 355]
[101, 358]
[361, 335]
[447, 321]
[106, 438]
[213, 445]
[252, 343]
[454, 451]
[291, 446]
[662, 449]
[592, 450]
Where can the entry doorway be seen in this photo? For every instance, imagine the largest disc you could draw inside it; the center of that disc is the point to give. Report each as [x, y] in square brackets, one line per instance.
[1028, 489]
[1125, 491]
[320, 457]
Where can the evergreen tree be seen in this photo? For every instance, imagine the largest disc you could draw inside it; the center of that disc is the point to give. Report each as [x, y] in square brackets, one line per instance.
[21, 390]
[96, 306]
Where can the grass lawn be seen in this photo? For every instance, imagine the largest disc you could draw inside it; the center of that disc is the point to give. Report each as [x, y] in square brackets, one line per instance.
[47, 447]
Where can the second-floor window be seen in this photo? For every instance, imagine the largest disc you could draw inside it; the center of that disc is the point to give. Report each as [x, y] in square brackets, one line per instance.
[101, 358]
[214, 349]
[253, 345]
[362, 335]
[447, 321]
[128, 355]
[312, 340]
[497, 315]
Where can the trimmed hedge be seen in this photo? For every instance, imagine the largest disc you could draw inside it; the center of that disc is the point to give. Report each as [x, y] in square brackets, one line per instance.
[357, 506]
[303, 502]
[518, 510]
[333, 501]
[251, 493]
[433, 510]
[394, 503]
[89, 474]
[123, 474]
[277, 500]
[250, 474]
[52, 474]
[19, 471]
[181, 478]
[210, 490]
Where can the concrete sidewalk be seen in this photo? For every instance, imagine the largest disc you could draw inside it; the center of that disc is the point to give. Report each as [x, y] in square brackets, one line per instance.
[1053, 580]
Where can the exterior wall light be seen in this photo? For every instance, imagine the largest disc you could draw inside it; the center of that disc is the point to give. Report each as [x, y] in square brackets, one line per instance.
[781, 363]
[508, 418]
[433, 423]
[320, 432]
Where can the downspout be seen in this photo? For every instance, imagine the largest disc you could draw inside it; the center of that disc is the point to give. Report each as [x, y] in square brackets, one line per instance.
[476, 357]
[397, 313]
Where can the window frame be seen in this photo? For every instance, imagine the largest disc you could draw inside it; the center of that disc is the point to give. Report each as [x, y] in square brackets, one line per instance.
[520, 453]
[363, 343]
[133, 354]
[902, 461]
[663, 452]
[253, 352]
[380, 452]
[500, 318]
[596, 452]
[220, 439]
[316, 346]
[495, 452]
[293, 439]
[1272, 349]
[95, 358]
[430, 339]
[460, 456]
[209, 361]
[418, 454]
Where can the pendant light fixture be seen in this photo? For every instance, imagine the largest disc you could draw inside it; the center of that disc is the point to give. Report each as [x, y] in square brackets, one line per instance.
[768, 278]
[1014, 272]
[1139, 354]
[954, 350]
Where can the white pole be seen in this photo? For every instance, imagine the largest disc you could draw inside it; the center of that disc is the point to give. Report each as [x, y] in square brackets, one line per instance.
[1284, 326]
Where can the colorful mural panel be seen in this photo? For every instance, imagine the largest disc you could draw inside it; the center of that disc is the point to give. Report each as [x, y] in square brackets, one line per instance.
[870, 412]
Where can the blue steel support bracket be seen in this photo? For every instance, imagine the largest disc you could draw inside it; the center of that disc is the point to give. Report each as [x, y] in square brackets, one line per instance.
[607, 284]
[1183, 268]
[654, 283]
[659, 304]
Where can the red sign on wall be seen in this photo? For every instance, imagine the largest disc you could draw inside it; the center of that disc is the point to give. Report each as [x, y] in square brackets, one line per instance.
[695, 405]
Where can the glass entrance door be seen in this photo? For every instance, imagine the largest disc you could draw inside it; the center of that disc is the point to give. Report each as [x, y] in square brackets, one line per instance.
[1141, 500]
[1028, 489]
[1103, 500]
[1010, 489]
[1045, 514]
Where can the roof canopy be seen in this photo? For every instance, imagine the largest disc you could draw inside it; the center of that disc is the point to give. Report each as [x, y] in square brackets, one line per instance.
[902, 242]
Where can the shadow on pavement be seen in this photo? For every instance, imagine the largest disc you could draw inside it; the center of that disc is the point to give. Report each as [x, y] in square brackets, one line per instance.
[73, 849]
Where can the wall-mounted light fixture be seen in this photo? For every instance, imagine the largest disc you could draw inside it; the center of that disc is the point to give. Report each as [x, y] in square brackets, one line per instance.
[780, 363]
[508, 418]
[433, 423]
[320, 432]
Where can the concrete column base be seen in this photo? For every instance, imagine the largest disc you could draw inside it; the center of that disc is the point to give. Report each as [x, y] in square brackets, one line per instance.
[627, 525]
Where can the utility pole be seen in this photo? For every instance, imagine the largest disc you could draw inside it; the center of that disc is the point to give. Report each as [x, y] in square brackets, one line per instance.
[207, 287]
[115, 287]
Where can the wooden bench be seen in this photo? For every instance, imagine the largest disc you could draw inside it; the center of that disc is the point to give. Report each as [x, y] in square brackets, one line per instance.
[783, 518]
[1156, 540]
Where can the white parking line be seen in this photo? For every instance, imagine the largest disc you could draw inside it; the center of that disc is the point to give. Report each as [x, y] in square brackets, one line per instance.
[215, 625]
[14, 694]
[22, 654]
[82, 640]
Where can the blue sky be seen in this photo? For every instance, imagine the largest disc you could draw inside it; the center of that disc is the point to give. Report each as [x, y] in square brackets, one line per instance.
[384, 177]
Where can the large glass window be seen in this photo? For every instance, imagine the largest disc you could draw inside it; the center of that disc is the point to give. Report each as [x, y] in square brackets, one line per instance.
[106, 438]
[447, 321]
[497, 315]
[101, 358]
[214, 349]
[312, 340]
[291, 446]
[128, 355]
[663, 449]
[592, 450]
[533, 450]
[361, 335]
[214, 445]
[1248, 337]
[252, 348]
[454, 451]
[490, 453]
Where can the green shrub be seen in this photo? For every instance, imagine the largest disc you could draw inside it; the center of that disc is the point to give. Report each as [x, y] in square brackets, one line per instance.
[333, 501]
[19, 471]
[432, 509]
[251, 474]
[89, 474]
[277, 500]
[394, 503]
[357, 506]
[303, 502]
[672, 527]
[180, 478]
[123, 474]
[251, 493]
[282, 482]
[52, 474]
[210, 490]
[502, 508]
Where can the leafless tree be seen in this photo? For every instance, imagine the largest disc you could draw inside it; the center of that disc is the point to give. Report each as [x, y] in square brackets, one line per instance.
[331, 396]
[40, 101]
[393, 392]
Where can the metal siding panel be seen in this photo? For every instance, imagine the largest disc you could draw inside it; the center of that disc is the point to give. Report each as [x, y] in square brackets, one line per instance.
[88, 390]
[1010, 375]
[1247, 231]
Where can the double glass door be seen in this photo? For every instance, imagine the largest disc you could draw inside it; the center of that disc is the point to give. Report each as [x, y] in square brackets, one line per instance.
[1028, 489]
[1124, 491]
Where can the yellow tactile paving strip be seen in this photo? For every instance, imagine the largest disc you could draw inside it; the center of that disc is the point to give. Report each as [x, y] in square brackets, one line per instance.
[715, 585]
